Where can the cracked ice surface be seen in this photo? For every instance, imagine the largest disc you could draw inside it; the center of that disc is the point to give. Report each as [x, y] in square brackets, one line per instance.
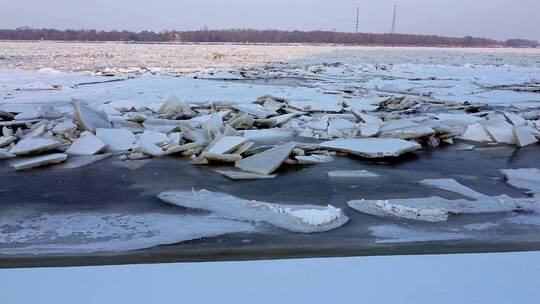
[89, 232]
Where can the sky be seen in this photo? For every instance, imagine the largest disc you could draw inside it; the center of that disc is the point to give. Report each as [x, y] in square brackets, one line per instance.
[498, 19]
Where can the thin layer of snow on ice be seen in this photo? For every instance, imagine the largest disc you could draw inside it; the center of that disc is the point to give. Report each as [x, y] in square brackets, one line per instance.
[23, 232]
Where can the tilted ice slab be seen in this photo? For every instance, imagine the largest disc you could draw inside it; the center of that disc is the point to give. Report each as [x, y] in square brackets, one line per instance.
[296, 218]
[437, 209]
[31, 145]
[89, 232]
[39, 161]
[524, 179]
[372, 147]
[267, 161]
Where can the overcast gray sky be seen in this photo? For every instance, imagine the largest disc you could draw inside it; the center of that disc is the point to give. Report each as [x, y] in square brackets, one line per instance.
[500, 19]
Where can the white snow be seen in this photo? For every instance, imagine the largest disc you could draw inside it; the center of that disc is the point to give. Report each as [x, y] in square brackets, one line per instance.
[445, 278]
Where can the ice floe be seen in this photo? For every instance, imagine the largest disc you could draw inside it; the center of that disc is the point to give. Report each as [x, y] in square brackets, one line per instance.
[436, 209]
[297, 218]
[527, 178]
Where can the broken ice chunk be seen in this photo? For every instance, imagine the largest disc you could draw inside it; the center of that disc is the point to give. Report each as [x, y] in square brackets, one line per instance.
[226, 158]
[421, 209]
[499, 130]
[369, 129]
[226, 144]
[6, 140]
[174, 108]
[408, 132]
[254, 109]
[514, 119]
[5, 154]
[267, 135]
[296, 218]
[81, 161]
[315, 106]
[366, 118]
[523, 136]
[476, 132]
[116, 139]
[213, 126]
[524, 179]
[313, 159]
[267, 161]
[64, 127]
[90, 119]
[241, 175]
[372, 147]
[351, 174]
[86, 144]
[32, 145]
[452, 185]
[39, 161]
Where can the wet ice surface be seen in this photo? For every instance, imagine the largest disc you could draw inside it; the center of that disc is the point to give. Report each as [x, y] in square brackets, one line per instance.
[86, 215]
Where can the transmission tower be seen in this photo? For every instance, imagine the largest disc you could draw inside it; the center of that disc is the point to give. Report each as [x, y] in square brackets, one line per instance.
[357, 17]
[393, 30]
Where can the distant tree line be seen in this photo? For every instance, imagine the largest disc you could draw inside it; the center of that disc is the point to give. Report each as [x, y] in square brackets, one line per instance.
[257, 36]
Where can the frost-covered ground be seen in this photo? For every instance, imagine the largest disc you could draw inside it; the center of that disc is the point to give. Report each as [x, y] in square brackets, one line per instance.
[354, 103]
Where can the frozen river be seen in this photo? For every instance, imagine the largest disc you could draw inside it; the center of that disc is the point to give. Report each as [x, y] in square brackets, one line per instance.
[88, 215]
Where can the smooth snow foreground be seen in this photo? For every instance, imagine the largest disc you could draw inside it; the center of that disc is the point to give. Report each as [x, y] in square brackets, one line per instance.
[413, 279]
[296, 218]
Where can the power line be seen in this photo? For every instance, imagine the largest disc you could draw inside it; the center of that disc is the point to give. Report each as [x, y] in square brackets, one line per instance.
[393, 30]
[357, 17]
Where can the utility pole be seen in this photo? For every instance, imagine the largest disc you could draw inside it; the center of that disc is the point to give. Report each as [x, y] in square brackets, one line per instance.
[393, 30]
[357, 17]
